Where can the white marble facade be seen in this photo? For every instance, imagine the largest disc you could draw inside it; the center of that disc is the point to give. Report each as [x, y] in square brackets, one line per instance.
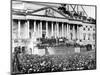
[42, 23]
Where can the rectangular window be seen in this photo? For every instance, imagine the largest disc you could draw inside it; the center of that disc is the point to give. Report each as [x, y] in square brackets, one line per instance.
[83, 28]
[84, 35]
[94, 36]
[88, 29]
[89, 36]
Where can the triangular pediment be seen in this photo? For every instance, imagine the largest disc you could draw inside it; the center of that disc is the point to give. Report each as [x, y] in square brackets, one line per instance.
[48, 11]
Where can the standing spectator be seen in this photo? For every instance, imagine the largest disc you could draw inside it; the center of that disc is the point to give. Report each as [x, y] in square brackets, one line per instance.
[15, 61]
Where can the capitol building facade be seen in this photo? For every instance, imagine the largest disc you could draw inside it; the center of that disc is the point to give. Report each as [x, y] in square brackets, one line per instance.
[29, 25]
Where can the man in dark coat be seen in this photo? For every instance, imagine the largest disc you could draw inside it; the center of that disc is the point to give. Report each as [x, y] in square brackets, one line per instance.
[15, 61]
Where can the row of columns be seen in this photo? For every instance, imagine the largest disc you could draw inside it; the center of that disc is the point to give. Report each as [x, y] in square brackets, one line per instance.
[65, 31]
[19, 29]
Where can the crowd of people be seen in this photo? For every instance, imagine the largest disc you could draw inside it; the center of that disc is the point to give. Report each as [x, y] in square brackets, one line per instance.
[61, 42]
[54, 63]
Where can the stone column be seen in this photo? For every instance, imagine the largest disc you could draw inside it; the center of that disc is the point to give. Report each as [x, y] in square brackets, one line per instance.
[12, 24]
[52, 29]
[19, 29]
[62, 30]
[41, 29]
[34, 26]
[46, 29]
[73, 32]
[38, 30]
[69, 36]
[27, 28]
[80, 33]
[35, 33]
[77, 32]
[57, 29]
[67, 31]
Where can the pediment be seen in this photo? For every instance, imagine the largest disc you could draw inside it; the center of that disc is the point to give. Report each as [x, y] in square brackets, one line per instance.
[48, 11]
